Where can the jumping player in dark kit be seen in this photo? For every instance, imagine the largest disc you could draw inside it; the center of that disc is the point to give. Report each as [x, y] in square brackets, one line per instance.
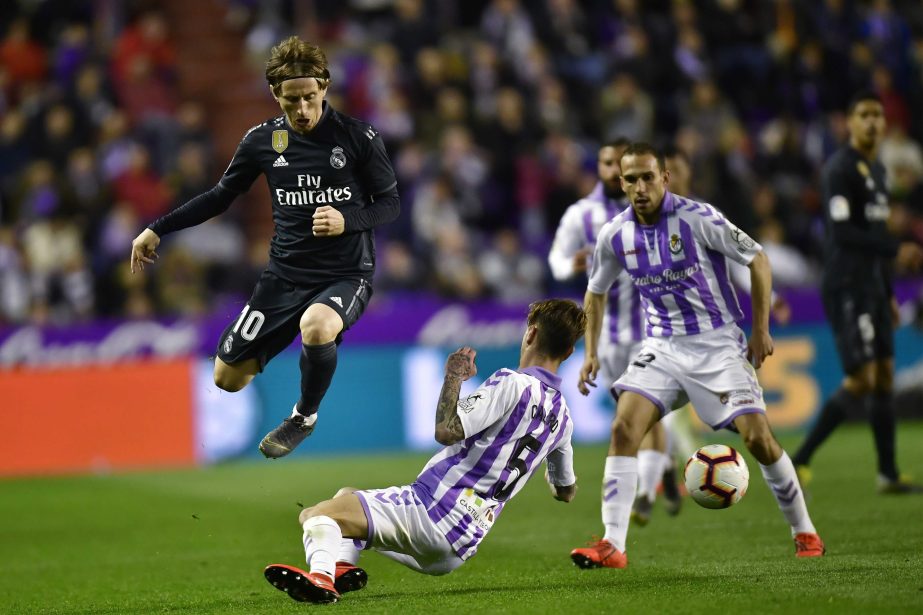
[331, 183]
[857, 293]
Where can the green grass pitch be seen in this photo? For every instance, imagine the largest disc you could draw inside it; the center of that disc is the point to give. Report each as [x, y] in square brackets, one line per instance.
[196, 542]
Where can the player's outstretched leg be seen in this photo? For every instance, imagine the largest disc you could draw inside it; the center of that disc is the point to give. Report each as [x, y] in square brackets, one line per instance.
[320, 326]
[884, 428]
[832, 413]
[779, 473]
[349, 516]
[635, 417]
[300, 585]
[322, 540]
[348, 576]
[620, 481]
[290, 433]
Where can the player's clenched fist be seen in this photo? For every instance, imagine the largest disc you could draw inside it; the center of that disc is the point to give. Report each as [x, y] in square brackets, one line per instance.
[328, 222]
[143, 249]
[460, 363]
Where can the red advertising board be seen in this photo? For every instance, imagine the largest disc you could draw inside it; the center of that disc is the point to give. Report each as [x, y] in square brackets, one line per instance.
[96, 418]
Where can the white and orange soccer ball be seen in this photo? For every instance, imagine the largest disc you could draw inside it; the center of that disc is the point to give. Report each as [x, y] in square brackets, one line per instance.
[716, 476]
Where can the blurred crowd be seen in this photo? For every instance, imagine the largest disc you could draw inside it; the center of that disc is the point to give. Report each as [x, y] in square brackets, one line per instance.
[492, 111]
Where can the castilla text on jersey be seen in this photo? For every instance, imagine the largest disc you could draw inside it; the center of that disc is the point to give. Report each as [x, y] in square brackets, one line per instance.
[311, 193]
[479, 509]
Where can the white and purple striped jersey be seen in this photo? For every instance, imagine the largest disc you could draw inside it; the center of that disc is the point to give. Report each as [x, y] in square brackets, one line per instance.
[579, 227]
[512, 423]
[679, 265]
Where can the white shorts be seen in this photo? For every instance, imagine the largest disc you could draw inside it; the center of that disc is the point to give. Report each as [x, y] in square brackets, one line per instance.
[400, 528]
[614, 359]
[709, 369]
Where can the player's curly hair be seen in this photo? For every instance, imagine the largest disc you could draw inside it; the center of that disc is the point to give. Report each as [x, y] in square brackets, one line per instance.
[560, 323]
[293, 58]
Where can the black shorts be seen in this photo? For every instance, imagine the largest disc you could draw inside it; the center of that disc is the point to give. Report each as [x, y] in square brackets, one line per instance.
[270, 320]
[862, 326]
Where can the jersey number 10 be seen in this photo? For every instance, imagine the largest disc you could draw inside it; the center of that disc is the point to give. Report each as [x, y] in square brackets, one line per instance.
[249, 324]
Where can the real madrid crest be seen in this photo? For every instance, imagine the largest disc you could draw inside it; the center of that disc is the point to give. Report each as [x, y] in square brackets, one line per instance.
[337, 158]
[279, 140]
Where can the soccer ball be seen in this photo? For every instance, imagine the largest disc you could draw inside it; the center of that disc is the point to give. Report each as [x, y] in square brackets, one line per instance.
[716, 476]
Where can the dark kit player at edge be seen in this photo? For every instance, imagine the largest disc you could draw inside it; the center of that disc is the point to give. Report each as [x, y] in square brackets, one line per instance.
[331, 184]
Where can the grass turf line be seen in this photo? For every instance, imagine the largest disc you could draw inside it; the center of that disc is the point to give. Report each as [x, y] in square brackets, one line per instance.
[196, 541]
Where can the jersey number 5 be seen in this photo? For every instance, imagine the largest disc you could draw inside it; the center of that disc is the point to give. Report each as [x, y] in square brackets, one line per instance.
[517, 467]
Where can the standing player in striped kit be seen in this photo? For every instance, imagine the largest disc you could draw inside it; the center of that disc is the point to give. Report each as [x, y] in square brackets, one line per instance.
[676, 252]
[495, 439]
[623, 320]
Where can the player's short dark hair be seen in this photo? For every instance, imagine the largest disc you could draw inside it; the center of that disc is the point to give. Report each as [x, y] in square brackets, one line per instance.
[617, 143]
[560, 323]
[640, 148]
[862, 96]
[294, 58]
[671, 151]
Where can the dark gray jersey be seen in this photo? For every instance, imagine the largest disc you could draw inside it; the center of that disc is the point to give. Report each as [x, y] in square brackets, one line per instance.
[858, 247]
[341, 163]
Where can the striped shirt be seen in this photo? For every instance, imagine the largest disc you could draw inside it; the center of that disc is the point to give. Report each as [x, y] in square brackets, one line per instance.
[512, 423]
[579, 227]
[679, 265]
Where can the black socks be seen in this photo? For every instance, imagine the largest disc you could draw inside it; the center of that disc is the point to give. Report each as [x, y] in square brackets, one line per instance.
[317, 366]
[841, 404]
[881, 416]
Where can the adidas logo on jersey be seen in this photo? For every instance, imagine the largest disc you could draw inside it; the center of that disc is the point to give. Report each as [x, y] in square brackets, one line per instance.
[337, 300]
[280, 161]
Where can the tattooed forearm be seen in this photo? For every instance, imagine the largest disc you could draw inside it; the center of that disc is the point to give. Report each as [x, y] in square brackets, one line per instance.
[448, 424]
[458, 368]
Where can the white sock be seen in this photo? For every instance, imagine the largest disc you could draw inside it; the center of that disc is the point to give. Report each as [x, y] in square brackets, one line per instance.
[308, 420]
[322, 538]
[620, 483]
[668, 429]
[349, 550]
[783, 482]
[651, 464]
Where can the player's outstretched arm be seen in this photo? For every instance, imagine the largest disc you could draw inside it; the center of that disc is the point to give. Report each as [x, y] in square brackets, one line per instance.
[458, 368]
[760, 344]
[195, 211]
[593, 304]
[560, 469]
[143, 249]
